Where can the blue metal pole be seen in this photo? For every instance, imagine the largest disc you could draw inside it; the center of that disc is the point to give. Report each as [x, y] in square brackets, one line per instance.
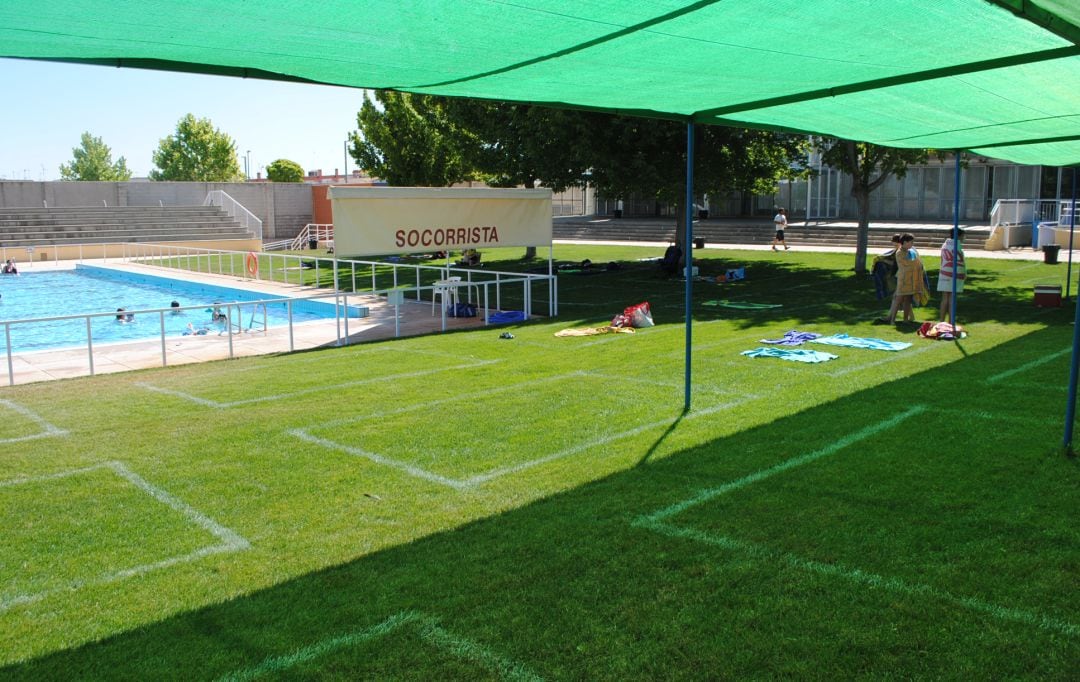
[688, 245]
[1074, 364]
[1072, 228]
[956, 247]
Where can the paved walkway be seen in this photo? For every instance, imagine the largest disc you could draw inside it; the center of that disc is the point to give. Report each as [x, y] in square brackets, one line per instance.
[1016, 253]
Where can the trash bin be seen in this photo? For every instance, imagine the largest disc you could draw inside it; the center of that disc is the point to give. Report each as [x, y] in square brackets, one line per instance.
[703, 214]
[313, 244]
[616, 213]
[699, 243]
[1050, 253]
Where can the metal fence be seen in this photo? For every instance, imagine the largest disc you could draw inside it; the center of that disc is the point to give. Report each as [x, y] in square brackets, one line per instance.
[351, 283]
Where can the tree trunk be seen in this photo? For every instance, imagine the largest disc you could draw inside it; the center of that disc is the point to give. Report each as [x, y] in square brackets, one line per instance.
[862, 234]
[530, 253]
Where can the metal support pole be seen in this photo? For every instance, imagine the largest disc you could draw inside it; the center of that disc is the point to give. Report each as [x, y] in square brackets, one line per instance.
[161, 325]
[1074, 364]
[689, 257]
[1072, 230]
[956, 247]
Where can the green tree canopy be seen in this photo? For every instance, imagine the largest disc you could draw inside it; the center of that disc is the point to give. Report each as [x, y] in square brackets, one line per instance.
[92, 160]
[509, 144]
[284, 170]
[869, 166]
[197, 152]
[407, 140]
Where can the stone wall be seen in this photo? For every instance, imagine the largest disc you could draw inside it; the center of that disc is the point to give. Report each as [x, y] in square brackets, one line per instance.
[284, 207]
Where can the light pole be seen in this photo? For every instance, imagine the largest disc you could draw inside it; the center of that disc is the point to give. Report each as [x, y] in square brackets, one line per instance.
[346, 159]
[247, 165]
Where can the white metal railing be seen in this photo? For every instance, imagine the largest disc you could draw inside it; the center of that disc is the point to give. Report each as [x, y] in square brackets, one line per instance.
[314, 232]
[289, 268]
[279, 245]
[485, 291]
[233, 325]
[235, 210]
[1019, 211]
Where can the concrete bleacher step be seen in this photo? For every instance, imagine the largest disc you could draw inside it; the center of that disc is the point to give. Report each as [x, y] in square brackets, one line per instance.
[102, 224]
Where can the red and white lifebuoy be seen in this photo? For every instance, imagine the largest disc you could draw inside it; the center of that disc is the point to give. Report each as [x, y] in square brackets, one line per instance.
[252, 264]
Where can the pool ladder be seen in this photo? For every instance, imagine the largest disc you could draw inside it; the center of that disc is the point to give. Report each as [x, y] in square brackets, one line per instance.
[254, 311]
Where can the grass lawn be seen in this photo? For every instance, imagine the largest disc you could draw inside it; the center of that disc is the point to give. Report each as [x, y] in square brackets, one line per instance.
[462, 506]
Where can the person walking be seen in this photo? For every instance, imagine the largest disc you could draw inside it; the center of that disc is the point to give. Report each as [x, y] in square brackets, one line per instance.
[780, 221]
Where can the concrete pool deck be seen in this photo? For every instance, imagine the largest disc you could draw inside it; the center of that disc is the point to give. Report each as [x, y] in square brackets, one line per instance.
[47, 365]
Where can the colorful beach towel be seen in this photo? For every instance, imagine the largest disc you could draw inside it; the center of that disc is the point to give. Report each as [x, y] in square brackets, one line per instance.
[861, 342]
[792, 338]
[794, 355]
[942, 331]
[593, 331]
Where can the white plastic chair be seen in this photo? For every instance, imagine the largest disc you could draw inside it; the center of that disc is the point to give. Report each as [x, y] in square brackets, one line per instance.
[446, 290]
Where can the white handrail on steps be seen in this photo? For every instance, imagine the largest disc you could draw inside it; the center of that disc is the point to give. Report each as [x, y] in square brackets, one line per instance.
[235, 210]
[320, 233]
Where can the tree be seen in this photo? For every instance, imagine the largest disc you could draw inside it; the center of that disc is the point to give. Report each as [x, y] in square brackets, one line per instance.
[92, 160]
[407, 141]
[510, 145]
[869, 166]
[197, 152]
[284, 170]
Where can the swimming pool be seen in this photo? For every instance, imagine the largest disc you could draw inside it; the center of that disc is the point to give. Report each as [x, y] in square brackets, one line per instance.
[89, 289]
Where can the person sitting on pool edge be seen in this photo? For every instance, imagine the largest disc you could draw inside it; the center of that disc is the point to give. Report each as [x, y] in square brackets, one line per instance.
[9, 268]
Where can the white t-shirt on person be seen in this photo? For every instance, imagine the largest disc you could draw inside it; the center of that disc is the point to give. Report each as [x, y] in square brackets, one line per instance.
[781, 221]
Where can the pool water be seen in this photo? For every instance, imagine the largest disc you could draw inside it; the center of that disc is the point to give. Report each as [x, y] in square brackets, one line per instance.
[96, 290]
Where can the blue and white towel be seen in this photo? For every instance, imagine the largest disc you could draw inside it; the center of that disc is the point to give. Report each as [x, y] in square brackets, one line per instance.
[793, 355]
[861, 342]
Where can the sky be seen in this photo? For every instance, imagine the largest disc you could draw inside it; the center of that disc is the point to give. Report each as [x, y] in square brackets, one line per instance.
[48, 106]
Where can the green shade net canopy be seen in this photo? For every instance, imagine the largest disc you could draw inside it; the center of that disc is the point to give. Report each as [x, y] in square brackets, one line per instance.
[1001, 79]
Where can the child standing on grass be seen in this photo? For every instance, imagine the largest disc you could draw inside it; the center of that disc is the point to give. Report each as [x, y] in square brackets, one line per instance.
[946, 273]
[910, 284]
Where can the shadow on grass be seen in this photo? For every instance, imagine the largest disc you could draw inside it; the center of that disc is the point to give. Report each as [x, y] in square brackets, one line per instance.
[939, 545]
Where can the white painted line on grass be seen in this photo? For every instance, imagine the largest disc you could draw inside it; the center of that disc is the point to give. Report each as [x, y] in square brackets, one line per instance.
[409, 469]
[1037, 386]
[713, 493]
[227, 537]
[479, 479]
[1025, 367]
[892, 357]
[657, 522]
[1023, 616]
[314, 389]
[47, 429]
[677, 385]
[458, 397]
[427, 627]
[180, 394]
[975, 413]
[230, 540]
[596, 443]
